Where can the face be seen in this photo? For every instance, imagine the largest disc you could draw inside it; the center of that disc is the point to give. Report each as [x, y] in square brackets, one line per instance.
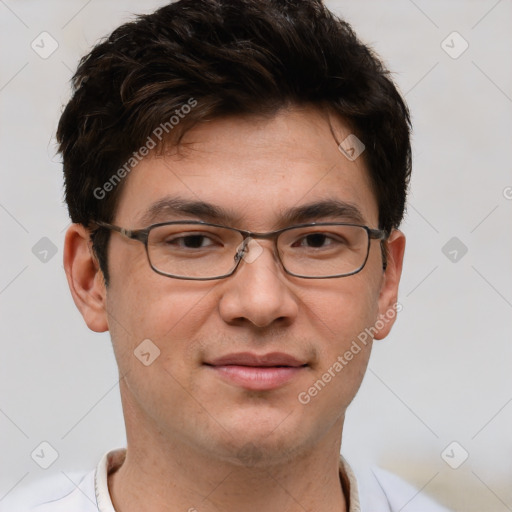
[290, 331]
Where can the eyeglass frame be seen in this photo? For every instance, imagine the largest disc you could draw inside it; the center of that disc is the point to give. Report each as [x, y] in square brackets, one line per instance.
[142, 235]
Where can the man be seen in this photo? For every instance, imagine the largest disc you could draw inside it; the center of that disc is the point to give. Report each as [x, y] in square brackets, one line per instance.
[236, 172]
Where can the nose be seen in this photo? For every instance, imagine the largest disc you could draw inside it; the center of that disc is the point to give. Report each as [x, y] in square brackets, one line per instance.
[259, 292]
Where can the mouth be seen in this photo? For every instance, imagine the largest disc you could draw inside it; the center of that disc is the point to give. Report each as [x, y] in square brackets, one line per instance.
[257, 372]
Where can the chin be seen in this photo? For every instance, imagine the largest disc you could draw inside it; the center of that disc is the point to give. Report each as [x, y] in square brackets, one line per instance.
[262, 454]
[260, 444]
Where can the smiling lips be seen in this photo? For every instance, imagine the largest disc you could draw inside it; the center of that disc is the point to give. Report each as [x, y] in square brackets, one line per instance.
[257, 372]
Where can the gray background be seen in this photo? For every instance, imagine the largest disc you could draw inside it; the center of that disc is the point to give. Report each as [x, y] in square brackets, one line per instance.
[443, 375]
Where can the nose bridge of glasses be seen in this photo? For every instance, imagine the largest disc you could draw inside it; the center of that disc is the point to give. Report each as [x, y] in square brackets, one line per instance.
[253, 244]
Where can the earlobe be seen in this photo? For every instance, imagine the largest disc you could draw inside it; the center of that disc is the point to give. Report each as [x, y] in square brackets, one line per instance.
[85, 278]
[388, 298]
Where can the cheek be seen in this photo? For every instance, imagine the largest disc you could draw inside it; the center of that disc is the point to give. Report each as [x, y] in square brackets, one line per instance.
[341, 317]
[168, 312]
[339, 313]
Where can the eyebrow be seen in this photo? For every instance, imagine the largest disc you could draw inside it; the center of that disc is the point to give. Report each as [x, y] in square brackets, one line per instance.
[327, 208]
[170, 207]
[167, 207]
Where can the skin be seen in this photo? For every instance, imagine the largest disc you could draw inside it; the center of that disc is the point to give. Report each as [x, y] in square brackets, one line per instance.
[196, 441]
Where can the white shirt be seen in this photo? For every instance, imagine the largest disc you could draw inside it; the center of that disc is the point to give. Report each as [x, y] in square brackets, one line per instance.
[372, 491]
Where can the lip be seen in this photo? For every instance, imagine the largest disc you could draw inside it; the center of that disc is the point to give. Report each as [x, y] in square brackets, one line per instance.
[261, 360]
[257, 372]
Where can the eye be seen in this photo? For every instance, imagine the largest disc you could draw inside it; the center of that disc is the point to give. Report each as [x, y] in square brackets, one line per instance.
[316, 241]
[191, 241]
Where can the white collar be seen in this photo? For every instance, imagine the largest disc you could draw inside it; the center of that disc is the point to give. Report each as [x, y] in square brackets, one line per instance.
[112, 460]
[109, 463]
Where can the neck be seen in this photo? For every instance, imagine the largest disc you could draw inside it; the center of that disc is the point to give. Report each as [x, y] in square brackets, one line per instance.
[161, 474]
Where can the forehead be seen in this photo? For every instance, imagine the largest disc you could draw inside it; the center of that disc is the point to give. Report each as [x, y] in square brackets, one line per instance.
[254, 169]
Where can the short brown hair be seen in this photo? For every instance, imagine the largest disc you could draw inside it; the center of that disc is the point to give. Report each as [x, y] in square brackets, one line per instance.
[230, 57]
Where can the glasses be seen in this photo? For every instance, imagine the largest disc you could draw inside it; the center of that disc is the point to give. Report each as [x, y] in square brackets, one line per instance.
[203, 251]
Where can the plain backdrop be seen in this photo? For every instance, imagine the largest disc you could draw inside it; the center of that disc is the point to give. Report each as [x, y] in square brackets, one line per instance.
[443, 376]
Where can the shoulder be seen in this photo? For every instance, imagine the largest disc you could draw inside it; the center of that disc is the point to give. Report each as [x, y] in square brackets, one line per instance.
[378, 487]
[69, 492]
[59, 493]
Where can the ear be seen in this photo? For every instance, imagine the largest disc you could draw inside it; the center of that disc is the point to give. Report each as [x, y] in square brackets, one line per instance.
[388, 297]
[85, 278]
